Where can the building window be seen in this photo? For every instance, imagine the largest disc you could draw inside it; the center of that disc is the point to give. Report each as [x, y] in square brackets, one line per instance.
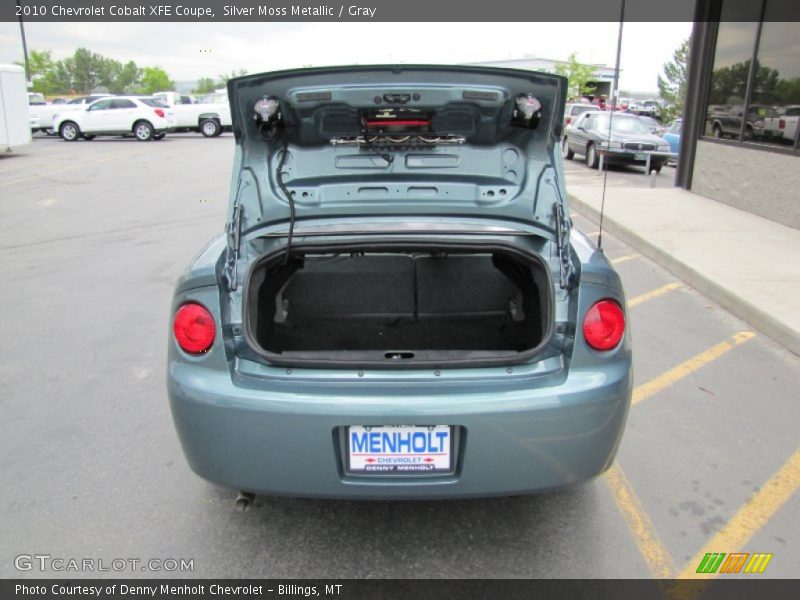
[776, 85]
[754, 93]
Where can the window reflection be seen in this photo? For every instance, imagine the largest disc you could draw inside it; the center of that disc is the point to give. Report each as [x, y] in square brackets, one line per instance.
[777, 87]
[773, 112]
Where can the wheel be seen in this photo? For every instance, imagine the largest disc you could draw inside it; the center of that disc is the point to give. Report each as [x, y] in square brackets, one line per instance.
[566, 152]
[717, 131]
[657, 168]
[50, 132]
[159, 136]
[210, 128]
[591, 157]
[88, 137]
[69, 131]
[143, 131]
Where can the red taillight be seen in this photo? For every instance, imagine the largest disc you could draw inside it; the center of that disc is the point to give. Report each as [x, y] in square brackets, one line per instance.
[569, 120]
[159, 112]
[194, 328]
[781, 124]
[604, 325]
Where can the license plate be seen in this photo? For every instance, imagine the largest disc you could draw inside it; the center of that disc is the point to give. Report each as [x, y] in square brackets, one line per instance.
[400, 449]
[640, 156]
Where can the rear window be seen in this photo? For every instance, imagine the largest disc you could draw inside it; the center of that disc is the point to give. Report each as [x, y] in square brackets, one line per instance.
[154, 102]
[576, 110]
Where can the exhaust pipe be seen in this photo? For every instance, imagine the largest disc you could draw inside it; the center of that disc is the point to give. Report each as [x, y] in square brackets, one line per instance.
[243, 501]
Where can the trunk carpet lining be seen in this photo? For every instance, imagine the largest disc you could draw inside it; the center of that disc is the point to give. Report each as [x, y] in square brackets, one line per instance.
[399, 302]
[485, 332]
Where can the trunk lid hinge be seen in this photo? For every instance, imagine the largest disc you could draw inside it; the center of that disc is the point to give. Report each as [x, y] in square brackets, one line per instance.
[234, 241]
[566, 268]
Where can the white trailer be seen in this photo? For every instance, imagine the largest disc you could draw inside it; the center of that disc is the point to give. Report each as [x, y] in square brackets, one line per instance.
[15, 125]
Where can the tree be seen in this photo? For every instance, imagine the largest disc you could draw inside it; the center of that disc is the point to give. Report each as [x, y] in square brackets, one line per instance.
[579, 76]
[155, 79]
[222, 80]
[40, 65]
[672, 86]
[87, 70]
[205, 85]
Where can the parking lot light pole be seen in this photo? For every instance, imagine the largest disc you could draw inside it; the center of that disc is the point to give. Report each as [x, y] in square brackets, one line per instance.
[24, 47]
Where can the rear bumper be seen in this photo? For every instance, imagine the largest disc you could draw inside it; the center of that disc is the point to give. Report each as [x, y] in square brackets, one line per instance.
[515, 440]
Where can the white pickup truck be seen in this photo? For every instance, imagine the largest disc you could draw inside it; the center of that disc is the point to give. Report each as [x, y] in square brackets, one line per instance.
[210, 116]
[784, 124]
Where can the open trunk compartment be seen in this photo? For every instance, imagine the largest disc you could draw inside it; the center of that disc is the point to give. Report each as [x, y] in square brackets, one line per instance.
[398, 306]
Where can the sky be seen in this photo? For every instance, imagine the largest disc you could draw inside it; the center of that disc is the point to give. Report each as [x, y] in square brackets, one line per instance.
[190, 51]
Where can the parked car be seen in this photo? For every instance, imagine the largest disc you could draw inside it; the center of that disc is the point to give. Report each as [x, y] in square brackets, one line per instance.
[418, 323]
[673, 136]
[42, 115]
[145, 118]
[81, 100]
[650, 108]
[629, 143]
[36, 98]
[727, 121]
[209, 118]
[783, 124]
[572, 110]
[652, 125]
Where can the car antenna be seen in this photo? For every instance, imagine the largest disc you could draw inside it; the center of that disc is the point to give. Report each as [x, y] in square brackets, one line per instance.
[610, 118]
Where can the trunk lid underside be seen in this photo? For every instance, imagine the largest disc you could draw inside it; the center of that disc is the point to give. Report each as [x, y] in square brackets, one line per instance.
[424, 140]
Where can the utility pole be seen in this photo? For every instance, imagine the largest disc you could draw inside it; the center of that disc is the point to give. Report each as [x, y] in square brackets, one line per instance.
[24, 47]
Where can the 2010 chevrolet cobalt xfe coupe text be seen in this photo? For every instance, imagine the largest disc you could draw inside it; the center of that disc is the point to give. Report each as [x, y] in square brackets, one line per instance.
[399, 307]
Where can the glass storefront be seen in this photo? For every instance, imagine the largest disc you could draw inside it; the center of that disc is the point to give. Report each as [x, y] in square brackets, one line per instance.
[754, 92]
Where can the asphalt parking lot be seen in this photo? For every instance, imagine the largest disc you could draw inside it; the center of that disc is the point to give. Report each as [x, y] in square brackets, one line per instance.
[94, 235]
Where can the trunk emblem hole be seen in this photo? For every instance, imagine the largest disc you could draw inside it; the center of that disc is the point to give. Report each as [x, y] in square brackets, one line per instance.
[399, 355]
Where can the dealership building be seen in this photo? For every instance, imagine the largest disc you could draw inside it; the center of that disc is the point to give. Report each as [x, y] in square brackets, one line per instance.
[741, 130]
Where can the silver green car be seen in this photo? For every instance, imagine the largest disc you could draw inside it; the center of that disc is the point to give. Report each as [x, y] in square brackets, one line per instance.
[399, 307]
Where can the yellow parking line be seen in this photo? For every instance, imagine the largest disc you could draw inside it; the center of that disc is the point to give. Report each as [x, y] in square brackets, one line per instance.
[688, 367]
[622, 259]
[654, 294]
[751, 517]
[593, 234]
[650, 547]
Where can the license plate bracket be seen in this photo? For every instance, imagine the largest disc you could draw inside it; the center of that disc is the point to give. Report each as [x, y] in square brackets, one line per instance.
[401, 450]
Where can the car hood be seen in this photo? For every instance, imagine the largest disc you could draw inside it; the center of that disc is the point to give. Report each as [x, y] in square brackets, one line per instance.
[435, 141]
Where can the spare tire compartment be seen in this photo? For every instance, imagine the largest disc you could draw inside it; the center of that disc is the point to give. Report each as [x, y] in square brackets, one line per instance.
[398, 305]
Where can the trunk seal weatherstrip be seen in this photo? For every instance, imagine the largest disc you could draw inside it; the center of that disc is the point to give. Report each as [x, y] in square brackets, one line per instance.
[278, 360]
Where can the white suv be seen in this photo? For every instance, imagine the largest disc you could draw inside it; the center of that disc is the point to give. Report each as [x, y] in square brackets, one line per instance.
[144, 117]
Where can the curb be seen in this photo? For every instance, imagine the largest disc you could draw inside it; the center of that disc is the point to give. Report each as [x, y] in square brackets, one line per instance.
[754, 315]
